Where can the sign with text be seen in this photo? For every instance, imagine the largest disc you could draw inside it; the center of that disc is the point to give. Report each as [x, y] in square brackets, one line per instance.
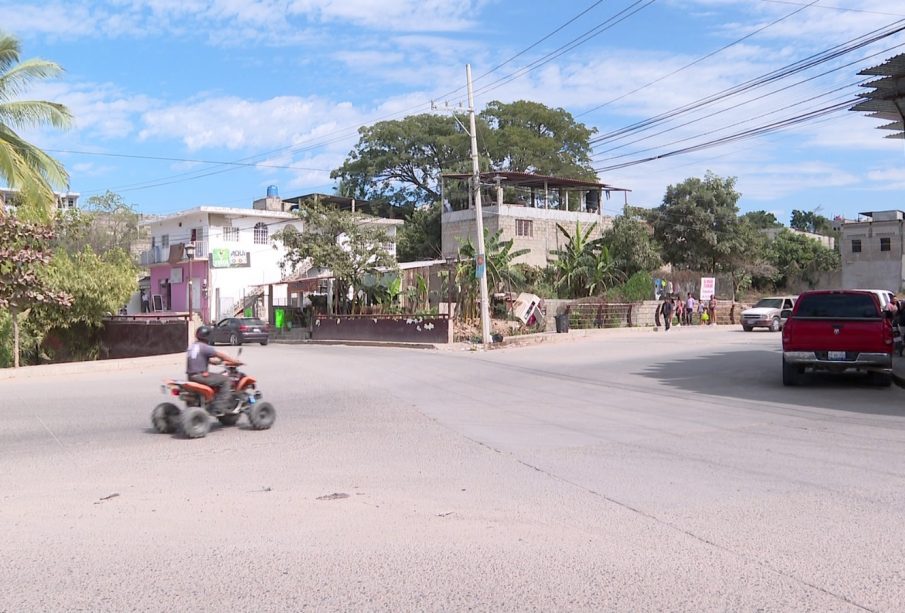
[227, 258]
[708, 287]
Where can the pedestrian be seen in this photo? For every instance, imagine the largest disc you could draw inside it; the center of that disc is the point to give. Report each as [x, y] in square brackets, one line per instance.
[711, 310]
[668, 309]
[680, 311]
[689, 309]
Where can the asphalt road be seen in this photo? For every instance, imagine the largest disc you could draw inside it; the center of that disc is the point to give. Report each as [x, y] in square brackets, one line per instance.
[635, 471]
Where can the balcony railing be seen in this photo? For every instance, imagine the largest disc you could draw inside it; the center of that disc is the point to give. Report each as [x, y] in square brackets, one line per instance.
[160, 255]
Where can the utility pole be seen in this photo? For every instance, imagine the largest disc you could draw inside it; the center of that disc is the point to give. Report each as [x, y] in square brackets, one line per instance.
[480, 260]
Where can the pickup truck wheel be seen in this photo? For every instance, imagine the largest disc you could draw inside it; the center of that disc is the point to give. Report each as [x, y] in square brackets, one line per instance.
[747, 328]
[791, 376]
[880, 379]
[775, 325]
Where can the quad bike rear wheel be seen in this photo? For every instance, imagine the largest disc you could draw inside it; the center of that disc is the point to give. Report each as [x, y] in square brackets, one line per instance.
[166, 417]
[195, 422]
[262, 415]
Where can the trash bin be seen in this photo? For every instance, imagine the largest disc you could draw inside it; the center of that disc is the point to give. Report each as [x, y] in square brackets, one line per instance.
[562, 323]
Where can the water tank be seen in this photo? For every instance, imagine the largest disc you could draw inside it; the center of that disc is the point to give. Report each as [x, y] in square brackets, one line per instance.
[272, 191]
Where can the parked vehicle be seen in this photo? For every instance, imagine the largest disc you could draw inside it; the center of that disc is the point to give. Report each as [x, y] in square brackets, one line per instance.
[195, 420]
[767, 313]
[836, 331]
[238, 330]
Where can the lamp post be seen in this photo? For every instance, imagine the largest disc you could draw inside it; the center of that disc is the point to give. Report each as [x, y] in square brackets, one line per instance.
[190, 254]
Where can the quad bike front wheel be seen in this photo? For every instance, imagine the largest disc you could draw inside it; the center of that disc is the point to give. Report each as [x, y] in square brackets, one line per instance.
[195, 422]
[165, 418]
[230, 419]
[261, 415]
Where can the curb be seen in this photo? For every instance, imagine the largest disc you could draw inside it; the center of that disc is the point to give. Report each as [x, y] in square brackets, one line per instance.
[399, 345]
[78, 368]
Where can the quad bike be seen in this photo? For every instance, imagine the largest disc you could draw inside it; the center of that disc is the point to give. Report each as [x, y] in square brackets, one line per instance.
[195, 420]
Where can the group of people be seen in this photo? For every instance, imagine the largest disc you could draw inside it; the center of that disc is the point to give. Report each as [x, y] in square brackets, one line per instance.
[684, 311]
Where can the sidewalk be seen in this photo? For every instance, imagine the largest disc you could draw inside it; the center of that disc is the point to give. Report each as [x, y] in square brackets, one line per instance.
[78, 368]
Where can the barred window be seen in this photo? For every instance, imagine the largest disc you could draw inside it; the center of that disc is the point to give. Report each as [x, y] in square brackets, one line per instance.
[885, 244]
[524, 227]
[261, 233]
[230, 234]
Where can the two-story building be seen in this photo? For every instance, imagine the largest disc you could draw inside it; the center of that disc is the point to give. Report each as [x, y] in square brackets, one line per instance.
[873, 251]
[234, 257]
[233, 253]
[526, 208]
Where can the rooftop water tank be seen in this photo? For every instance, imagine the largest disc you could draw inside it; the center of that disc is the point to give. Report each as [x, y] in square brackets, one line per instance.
[272, 191]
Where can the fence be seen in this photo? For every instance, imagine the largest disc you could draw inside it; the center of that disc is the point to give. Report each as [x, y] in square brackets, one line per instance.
[600, 315]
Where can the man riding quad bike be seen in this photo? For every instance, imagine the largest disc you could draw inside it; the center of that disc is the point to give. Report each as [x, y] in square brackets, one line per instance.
[226, 395]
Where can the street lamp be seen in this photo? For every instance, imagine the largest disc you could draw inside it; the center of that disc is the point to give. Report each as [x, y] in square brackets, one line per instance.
[190, 254]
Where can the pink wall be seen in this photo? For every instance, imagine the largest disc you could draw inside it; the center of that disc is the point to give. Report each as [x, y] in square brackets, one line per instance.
[178, 292]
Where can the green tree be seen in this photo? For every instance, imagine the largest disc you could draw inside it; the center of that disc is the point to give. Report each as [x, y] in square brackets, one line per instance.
[420, 237]
[630, 243]
[584, 266]
[347, 244]
[697, 224]
[23, 165]
[794, 255]
[527, 136]
[400, 161]
[762, 220]
[501, 273]
[23, 255]
[810, 221]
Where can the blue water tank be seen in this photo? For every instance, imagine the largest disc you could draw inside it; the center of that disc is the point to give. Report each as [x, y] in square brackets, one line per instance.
[272, 191]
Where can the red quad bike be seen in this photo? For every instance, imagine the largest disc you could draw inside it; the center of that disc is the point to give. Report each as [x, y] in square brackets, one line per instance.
[195, 420]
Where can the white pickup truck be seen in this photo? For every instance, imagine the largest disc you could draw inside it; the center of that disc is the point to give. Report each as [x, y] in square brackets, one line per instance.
[767, 313]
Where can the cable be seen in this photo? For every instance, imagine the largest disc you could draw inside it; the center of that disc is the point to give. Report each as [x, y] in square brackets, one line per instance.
[775, 75]
[754, 132]
[838, 8]
[699, 60]
[715, 113]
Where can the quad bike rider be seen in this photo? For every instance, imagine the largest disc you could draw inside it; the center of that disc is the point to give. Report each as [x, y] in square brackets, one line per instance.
[226, 396]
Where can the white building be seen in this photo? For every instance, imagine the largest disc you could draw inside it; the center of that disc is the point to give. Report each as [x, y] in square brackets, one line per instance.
[65, 200]
[235, 256]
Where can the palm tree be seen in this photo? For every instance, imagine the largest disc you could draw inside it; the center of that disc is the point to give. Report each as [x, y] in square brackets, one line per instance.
[500, 273]
[22, 165]
[573, 260]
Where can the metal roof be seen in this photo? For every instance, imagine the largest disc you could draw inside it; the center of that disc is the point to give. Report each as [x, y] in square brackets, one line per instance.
[529, 179]
[887, 99]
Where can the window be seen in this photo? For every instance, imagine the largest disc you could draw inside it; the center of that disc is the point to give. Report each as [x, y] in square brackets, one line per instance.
[884, 244]
[165, 241]
[838, 306]
[524, 227]
[261, 233]
[194, 235]
[230, 234]
[856, 246]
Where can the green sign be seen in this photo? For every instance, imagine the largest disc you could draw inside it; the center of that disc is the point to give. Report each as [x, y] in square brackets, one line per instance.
[228, 258]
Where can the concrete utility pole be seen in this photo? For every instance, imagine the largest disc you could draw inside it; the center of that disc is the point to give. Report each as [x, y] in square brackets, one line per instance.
[481, 262]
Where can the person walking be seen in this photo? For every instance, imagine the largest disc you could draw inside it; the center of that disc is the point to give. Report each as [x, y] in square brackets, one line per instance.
[668, 309]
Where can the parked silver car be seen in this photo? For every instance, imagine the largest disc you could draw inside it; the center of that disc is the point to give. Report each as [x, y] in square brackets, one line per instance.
[768, 313]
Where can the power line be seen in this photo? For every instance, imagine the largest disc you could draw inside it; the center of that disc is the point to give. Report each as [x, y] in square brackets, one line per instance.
[699, 60]
[752, 133]
[755, 99]
[838, 8]
[775, 75]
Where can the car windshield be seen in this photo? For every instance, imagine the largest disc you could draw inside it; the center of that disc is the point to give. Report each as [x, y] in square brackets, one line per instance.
[250, 321]
[838, 306]
[768, 303]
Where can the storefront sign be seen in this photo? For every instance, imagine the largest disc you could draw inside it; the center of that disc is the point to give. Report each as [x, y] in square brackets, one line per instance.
[227, 258]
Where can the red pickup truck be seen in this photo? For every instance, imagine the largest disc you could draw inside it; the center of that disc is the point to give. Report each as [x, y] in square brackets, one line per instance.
[836, 331]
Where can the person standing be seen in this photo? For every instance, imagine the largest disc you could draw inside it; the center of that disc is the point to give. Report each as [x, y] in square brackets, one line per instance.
[711, 310]
[689, 309]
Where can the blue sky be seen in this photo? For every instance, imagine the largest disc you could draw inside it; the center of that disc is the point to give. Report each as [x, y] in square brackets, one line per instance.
[287, 83]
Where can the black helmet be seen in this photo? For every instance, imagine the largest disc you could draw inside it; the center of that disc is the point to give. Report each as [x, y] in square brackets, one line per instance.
[203, 334]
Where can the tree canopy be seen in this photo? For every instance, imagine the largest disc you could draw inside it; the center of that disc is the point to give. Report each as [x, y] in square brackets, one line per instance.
[401, 161]
[630, 243]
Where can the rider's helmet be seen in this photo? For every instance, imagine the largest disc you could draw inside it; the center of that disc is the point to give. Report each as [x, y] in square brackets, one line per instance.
[203, 334]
